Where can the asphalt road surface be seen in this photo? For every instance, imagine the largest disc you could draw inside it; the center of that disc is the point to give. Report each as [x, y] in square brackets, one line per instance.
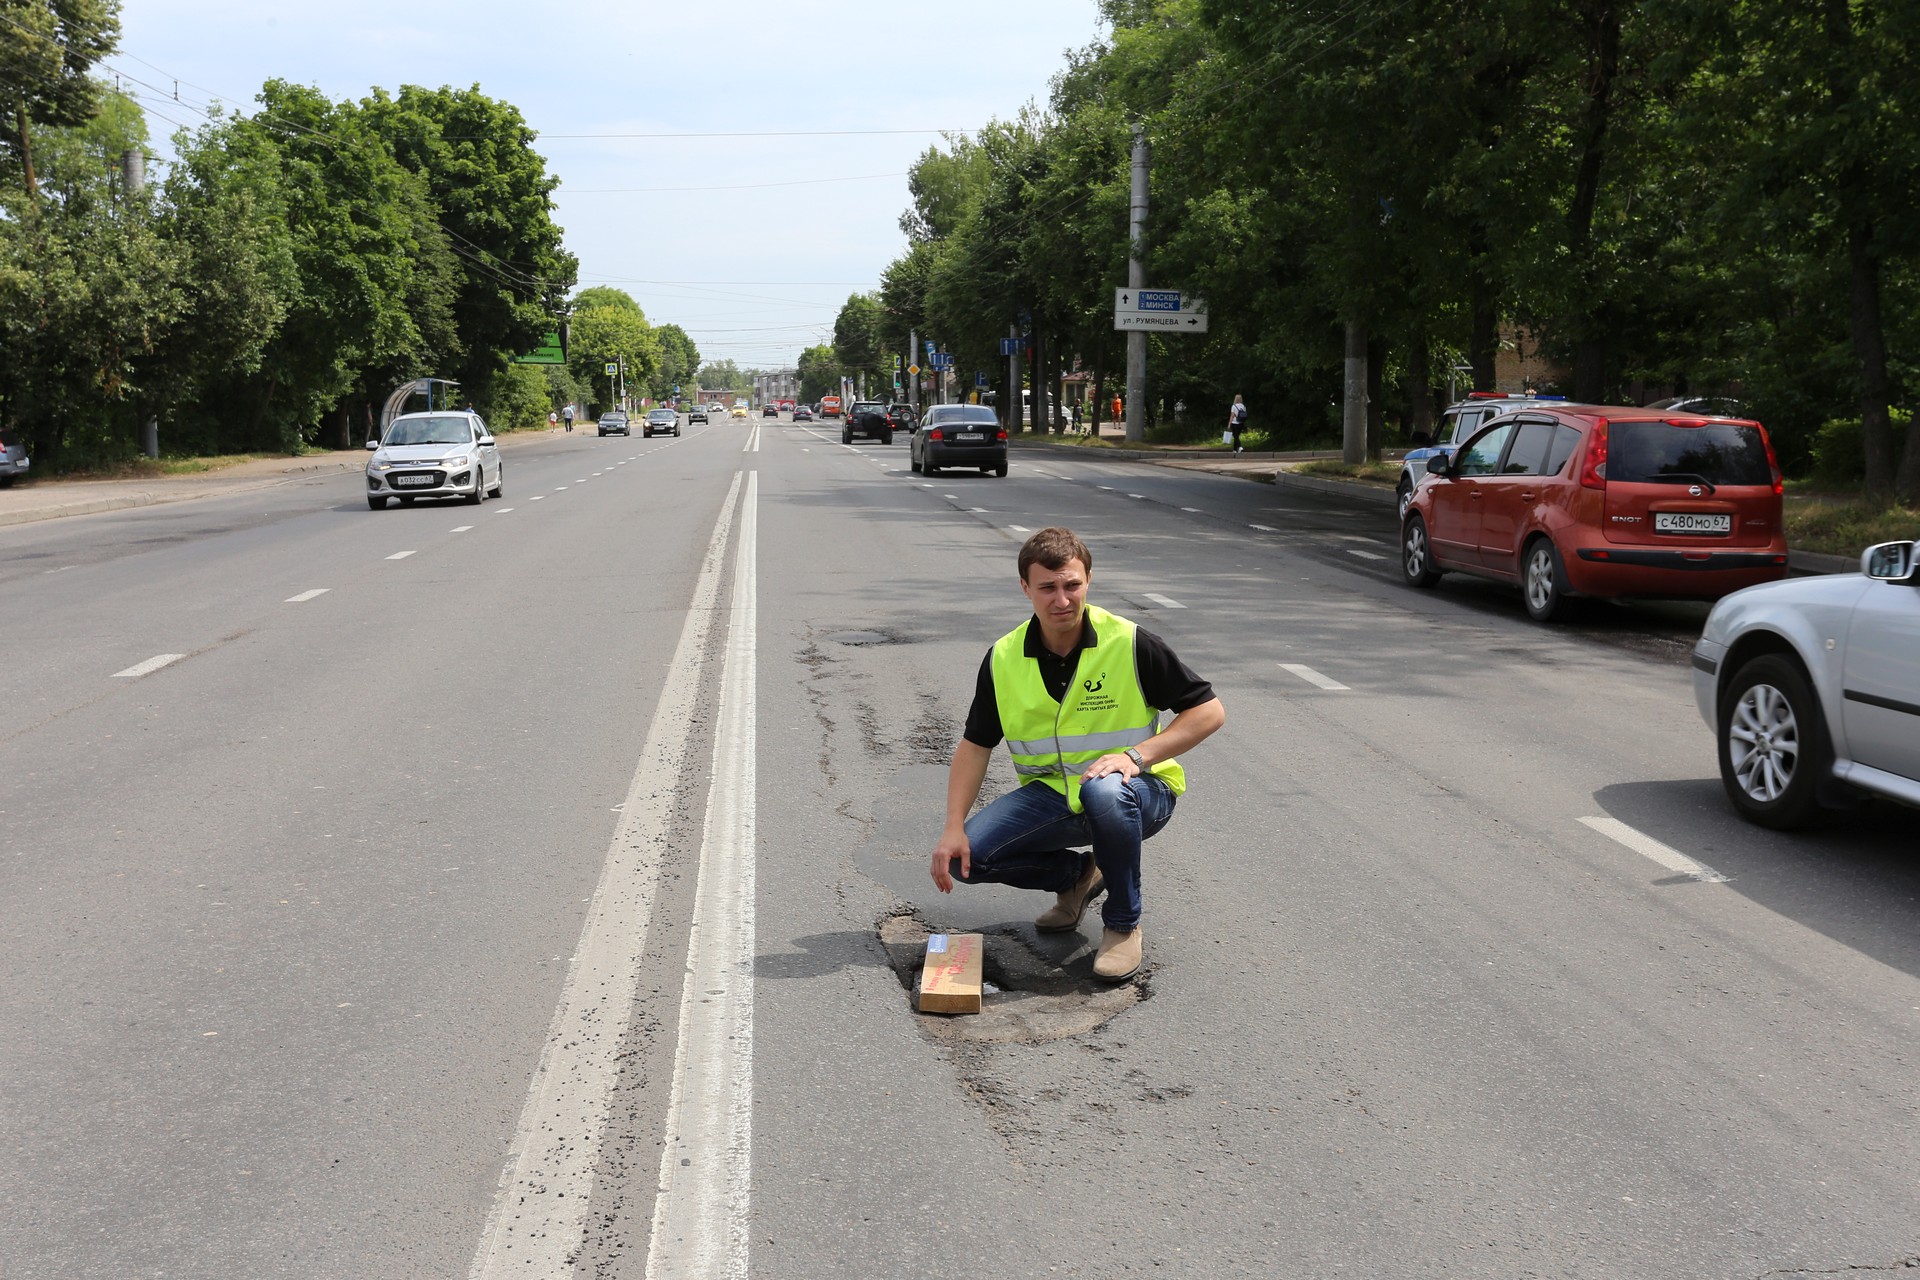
[531, 890]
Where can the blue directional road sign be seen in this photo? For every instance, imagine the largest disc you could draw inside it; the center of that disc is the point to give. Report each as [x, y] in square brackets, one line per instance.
[1009, 346]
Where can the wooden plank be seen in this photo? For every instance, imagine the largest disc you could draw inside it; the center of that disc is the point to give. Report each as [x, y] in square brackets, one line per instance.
[950, 981]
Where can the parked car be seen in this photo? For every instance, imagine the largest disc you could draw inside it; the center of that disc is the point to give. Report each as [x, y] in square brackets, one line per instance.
[434, 455]
[14, 461]
[1599, 501]
[959, 435]
[661, 422]
[614, 420]
[1812, 689]
[1458, 422]
[802, 414]
[867, 419]
[901, 415]
[1715, 406]
[698, 413]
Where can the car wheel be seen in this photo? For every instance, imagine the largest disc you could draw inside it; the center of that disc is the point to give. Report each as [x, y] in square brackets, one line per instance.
[377, 504]
[846, 437]
[499, 485]
[1001, 471]
[676, 433]
[1773, 744]
[1416, 554]
[913, 463]
[1541, 579]
[1403, 495]
[479, 494]
[886, 437]
[928, 470]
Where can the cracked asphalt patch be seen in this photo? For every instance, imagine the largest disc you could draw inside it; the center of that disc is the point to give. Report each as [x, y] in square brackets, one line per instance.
[1042, 998]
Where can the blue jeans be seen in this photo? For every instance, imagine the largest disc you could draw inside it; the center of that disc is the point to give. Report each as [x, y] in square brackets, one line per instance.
[1027, 837]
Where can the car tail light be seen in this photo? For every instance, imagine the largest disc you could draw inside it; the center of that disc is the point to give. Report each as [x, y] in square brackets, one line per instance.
[934, 434]
[1593, 472]
[1001, 434]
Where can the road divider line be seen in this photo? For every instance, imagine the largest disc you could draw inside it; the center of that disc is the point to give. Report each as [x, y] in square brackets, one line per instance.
[700, 1216]
[537, 497]
[1364, 555]
[461, 529]
[148, 667]
[1647, 847]
[502, 511]
[400, 555]
[1191, 510]
[1136, 495]
[1019, 528]
[1313, 677]
[538, 1219]
[1264, 528]
[1163, 601]
[305, 596]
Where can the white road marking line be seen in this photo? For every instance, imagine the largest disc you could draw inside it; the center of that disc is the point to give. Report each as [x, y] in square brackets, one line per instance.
[700, 1215]
[538, 1218]
[1646, 846]
[1019, 528]
[926, 486]
[1107, 487]
[1364, 555]
[460, 528]
[1311, 676]
[62, 569]
[151, 665]
[400, 555]
[537, 497]
[557, 488]
[1355, 537]
[1136, 495]
[502, 511]
[1163, 601]
[1194, 510]
[951, 497]
[1264, 528]
[305, 596]
[979, 511]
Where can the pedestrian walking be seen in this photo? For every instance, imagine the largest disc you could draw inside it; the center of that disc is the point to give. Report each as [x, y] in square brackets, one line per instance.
[1236, 421]
[553, 419]
[1076, 693]
[567, 414]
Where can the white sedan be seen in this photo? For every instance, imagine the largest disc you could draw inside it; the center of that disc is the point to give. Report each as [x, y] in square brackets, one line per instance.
[1812, 688]
[434, 455]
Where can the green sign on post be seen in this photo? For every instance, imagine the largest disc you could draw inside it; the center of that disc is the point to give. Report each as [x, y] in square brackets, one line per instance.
[548, 352]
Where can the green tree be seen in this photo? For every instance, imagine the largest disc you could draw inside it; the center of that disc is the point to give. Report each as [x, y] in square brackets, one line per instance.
[858, 347]
[608, 327]
[47, 51]
[724, 375]
[819, 373]
[679, 360]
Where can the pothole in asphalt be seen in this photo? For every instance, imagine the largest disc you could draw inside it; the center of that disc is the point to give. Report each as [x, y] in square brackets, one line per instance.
[859, 638]
[1040, 998]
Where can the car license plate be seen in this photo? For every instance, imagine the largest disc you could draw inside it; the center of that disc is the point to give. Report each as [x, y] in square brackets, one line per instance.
[413, 482]
[969, 435]
[1691, 522]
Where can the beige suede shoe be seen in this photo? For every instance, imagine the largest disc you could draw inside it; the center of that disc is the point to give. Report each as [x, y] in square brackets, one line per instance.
[1119, 957]
[1068, 907]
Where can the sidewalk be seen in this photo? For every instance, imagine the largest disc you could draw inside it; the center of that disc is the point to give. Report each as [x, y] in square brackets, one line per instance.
[50, 499]
[1277, 469]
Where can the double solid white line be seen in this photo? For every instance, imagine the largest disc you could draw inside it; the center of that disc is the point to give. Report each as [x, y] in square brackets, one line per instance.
[538, 1220]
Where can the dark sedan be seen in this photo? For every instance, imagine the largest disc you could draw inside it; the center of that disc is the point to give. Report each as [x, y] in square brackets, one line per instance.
[959, 435]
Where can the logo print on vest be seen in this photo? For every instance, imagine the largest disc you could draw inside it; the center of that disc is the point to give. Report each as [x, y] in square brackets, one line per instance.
[1094, 686]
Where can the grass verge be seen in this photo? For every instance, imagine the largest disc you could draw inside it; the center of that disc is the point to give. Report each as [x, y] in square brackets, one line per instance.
[1841, 525]
[1376, 472]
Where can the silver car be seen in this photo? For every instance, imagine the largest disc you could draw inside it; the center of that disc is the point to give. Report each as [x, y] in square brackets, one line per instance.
[1812, 687]
[13, 459]
[434, 455]
[661, 422]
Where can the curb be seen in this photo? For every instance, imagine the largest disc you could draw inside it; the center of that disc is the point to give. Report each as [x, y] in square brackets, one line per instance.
[150, 498]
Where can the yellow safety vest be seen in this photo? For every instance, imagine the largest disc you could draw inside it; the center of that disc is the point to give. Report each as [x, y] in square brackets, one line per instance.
[1104, 710]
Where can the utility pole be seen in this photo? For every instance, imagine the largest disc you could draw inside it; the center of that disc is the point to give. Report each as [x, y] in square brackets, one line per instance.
[913, 379]
[1012, 405]
[1353, 416]
[1137, 279]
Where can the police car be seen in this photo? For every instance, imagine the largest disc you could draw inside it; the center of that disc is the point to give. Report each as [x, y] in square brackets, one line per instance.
[1457, 426]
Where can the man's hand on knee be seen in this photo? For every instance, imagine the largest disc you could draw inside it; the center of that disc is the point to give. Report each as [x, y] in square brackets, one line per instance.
[1115, 763]
[951, 846]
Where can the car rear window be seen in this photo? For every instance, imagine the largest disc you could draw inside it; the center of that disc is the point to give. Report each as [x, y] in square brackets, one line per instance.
[1663, 453]
[960, 413]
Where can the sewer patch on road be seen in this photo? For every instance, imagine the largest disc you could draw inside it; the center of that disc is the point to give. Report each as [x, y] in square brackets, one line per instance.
[860, 639]
[1038, 999]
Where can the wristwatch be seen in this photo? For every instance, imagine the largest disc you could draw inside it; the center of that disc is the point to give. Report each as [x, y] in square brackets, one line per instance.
[1138, 762]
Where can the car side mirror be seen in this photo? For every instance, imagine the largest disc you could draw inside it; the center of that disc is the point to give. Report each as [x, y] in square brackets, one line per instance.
[1437, 465]
[373, 444]
[1888, 562]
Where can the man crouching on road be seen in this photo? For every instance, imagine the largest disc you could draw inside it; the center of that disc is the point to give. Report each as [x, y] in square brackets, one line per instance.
[1077, 693]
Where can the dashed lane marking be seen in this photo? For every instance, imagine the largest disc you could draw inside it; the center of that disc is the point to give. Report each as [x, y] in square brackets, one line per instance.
[151, 665]
[1646, 846]
[460, 528]
[537, 497]
[400, 555]
[1163, 601]
[1355, 537]
[1136, 495]
[1364, 555]
[502, 511]
[1019, 528]
[305, 596]
[1264, 528]
[1192, 510]
[1312, 677]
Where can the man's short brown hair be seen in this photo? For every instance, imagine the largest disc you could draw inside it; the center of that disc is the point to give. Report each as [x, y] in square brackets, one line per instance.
[1052, 548]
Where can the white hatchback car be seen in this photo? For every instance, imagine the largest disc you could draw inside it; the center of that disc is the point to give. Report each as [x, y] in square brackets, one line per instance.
[434, 455]
[1812, 687]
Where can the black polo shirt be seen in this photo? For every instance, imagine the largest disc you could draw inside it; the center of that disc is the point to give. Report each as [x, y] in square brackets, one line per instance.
[1165, 681]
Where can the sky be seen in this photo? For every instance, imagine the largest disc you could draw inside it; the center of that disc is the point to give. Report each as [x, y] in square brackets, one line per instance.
[755, 273]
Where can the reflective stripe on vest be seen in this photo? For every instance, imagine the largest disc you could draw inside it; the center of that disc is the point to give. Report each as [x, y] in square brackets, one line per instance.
[1104, 710]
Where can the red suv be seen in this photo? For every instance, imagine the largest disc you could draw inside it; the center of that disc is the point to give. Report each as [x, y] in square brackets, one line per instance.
[1599, 501]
